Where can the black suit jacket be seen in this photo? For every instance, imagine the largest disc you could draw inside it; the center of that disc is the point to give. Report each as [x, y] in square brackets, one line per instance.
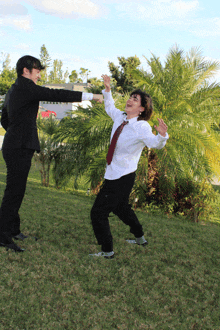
[20, 111]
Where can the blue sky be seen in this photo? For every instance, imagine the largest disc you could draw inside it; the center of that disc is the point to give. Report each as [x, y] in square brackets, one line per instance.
[89, 33]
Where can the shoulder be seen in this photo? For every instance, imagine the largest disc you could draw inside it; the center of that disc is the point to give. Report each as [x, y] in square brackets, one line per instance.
[25, 84]
[22, 81]
[119, 115]
[35, 89]
[143, 129]
[142, 125]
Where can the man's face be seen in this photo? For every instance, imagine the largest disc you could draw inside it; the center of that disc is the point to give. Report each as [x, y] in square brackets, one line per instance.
[34, 74]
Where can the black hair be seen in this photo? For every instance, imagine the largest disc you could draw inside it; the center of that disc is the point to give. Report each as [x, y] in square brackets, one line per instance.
[28, 62]
[146, 102]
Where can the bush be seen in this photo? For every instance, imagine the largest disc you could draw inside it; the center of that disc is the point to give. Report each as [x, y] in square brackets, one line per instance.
[153, 189]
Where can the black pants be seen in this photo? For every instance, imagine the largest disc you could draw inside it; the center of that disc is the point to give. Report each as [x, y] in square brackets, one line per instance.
[18, 163]
[113, 197]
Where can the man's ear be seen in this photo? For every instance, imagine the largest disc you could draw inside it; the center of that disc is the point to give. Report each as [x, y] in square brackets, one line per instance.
[25, 72]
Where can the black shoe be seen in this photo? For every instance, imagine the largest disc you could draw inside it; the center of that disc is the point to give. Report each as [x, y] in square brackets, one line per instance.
[20, 237]
[7, 242]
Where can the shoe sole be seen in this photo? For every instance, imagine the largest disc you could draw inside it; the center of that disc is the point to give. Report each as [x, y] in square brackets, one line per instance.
[106, 257]
[144, 244]
[111, 257]
[12, 247]
[19, 239]
[22, 239]
[134, 242]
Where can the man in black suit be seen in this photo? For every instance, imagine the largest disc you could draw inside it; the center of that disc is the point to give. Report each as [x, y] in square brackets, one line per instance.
[21, 139]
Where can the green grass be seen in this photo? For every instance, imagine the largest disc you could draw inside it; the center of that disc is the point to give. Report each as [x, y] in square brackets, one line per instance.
[2, 131]
[173, 283]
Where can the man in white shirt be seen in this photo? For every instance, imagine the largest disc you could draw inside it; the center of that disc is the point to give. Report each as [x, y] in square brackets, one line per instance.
[135, 134]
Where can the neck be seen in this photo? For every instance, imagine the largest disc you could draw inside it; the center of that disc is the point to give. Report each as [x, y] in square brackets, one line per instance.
[130, 116]
[25, 76]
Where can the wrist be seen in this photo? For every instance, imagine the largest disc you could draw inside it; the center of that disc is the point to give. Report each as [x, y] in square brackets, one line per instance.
[162, 134]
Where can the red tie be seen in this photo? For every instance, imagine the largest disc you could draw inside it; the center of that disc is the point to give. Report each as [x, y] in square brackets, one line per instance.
[114, 141]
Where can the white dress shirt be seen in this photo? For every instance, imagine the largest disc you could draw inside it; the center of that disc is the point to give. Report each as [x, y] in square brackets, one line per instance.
[134, 137]
[87, 96]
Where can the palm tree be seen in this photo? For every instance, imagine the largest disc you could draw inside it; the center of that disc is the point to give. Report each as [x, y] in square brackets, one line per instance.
[176, 176]
[188, 101]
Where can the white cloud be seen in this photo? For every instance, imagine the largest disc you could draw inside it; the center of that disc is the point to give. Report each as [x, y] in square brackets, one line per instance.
[81, 7]
[159, 11]
[206, 27]
[22, 23]
[68, 8]
[182, 8]
[13, 8]
[13, 13]
[180, 14]
[2, 34]
[154, 11]
[19, 22]
[22, 46]
[184, 15]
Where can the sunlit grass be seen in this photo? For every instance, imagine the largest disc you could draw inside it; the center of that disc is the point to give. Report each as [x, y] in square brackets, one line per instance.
[2, 131]
[173, 283]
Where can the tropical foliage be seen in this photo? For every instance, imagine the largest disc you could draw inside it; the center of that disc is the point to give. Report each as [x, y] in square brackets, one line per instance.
[187, 100]
[7, 75]
[88, 133]
[122, 73]
[49, 147]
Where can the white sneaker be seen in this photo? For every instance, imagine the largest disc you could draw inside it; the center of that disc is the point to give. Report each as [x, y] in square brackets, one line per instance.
[139, 240]
[107, 255]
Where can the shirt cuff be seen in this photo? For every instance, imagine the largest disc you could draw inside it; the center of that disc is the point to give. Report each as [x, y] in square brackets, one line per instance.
[107, 95]
[87, 96]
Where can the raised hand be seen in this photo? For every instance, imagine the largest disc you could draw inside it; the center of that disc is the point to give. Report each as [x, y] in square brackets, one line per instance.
[106, 82]
[161, 128]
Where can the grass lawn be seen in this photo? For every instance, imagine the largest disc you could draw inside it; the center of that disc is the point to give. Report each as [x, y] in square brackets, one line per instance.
[173, 283]
[2, 131]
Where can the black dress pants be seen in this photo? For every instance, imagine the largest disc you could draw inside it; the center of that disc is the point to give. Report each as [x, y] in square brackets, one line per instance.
[18, 163]
[114, 197]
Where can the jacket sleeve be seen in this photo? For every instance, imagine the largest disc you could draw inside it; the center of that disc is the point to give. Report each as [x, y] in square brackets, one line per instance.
[4, 118]
[39, 93]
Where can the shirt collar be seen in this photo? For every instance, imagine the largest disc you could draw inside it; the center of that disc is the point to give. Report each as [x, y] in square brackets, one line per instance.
[132, 120]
